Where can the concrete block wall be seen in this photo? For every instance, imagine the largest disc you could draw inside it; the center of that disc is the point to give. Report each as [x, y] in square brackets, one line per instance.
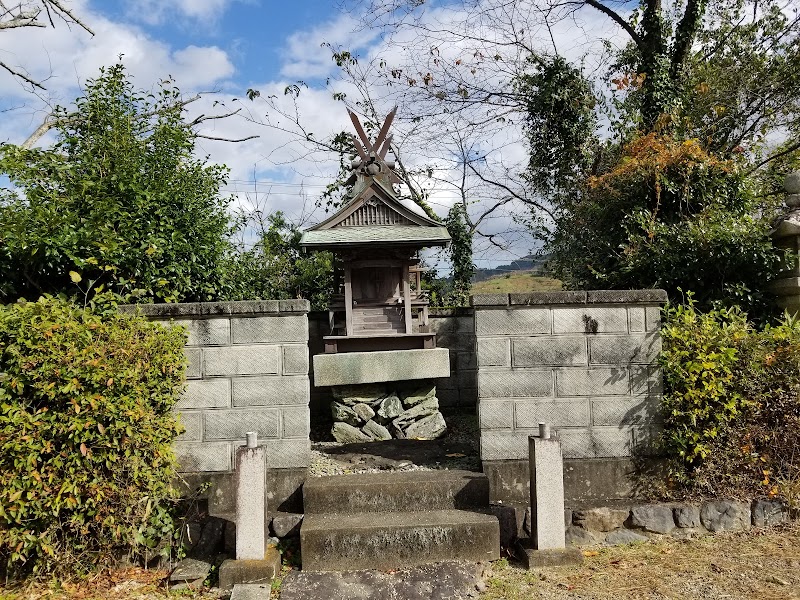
[585, 362]
[248, 371]
[455, 330]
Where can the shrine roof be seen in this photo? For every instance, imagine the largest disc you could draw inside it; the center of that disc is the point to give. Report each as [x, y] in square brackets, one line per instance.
[370, 235]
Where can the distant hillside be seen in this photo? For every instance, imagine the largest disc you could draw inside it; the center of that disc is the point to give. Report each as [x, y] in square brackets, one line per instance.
[526, 263]
[517, 282]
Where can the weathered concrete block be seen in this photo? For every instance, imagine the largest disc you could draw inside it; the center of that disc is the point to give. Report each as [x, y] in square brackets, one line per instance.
[600, 519]
[515, 384]
[288, 453]
[194, 457]
[591, 319]
[725, 515]
[194, 360]
[616, 410]
[370, 367]
[654, 517]
[467, 361]
[636, 319]
[546, 298]
[489, 300]
[295, 359]
[494, 352]
[452, 324]
[625, 296]
[496, 414]
[286, 524]
[653, 318]
[591, 382]
[193, 426]
[251, 503]
[207, 332]
[233, 572]
[624, 350]
[234, 424]
[271, 391]
[554, 557]
[296, 421]
[537, 352]
[497, 445]
[242, 360]
[467, 379]
[448, 398]
[646, 381]
[575, 536]
[208, 393]
[598, 442]
[559, 413]
[522, 321]
[269, 330]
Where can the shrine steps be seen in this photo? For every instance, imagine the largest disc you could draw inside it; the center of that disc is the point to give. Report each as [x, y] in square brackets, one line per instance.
[396, 520]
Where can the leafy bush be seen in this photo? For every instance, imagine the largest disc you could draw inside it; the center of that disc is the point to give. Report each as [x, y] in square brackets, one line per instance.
[85, 435]
[732, 413]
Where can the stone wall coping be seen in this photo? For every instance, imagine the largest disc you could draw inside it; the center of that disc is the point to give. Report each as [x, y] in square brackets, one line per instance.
[652, 296]
[212, 309]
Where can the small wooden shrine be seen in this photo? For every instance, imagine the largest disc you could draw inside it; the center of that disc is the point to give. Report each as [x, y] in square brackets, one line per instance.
[375, 240]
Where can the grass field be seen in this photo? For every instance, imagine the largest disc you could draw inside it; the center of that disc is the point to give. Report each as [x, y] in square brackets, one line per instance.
[518, 282]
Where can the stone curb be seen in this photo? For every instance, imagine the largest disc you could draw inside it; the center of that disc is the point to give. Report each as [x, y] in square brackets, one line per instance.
[571, 297]
[206, 309]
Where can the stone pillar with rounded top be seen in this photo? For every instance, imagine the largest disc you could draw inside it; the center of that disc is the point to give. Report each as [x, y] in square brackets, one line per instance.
[786, 236]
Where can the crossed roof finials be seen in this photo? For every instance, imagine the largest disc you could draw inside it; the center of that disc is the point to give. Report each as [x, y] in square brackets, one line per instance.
[371, 159]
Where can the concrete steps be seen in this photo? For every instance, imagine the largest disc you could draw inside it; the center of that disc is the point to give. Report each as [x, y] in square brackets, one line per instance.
[397, 520]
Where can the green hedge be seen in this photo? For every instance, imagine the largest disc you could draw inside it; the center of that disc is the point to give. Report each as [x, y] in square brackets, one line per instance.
[732, 413]
[85, 435]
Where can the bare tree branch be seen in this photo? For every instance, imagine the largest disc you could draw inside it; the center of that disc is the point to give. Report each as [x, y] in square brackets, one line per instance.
[22, 76]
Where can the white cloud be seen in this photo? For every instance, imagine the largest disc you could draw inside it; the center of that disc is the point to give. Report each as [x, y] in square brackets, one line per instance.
[155, 12]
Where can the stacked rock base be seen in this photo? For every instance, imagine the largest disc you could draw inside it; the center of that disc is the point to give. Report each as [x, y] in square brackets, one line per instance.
[378, 412]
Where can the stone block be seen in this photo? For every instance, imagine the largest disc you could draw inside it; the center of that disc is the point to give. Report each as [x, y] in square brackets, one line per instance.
[286, 524]
[207, 393]
[207, 332]
[468, 397]
[636, 319]
[452, 324]
[233, 572]
[555, 557]
[509, 526]
[192, 423]
[194, 363]
[242, 360]
[494, 352]
[656, 518]
[251, 505]
[591, 319]
[652, 318]
[769, 512]
[575, 536]
[517, 321]
[296, 421]
[269, 330]
[591, 382]
[448, 398]
[467, 361]
[555, 351]
[625, 536]
[371, 367]
[295, 359]
[234, 424]
[559, 413]
[467, 379]
[285, 484]
[624, 350]
[547, 298]
[251, 591]
[687, 516]
[488, 300]
[195, 457]
[625, 296]
[496, 414]
[598, 442]
[190, 570]
[547, 493]
[617, 410]
[515, 384]
[271, 391]
[496, 445]
[288, 453]
[601, 518]
[725, 515]
[456, 342]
